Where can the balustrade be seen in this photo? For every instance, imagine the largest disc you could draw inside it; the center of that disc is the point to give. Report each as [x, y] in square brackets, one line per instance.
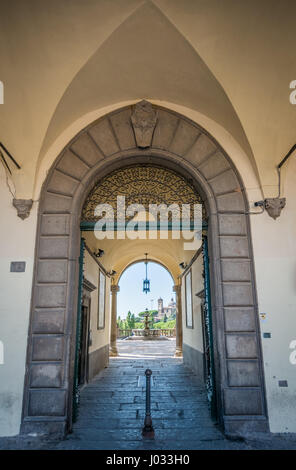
[168, 332]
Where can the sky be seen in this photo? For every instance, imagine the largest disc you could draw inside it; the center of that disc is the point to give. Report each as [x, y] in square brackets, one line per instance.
[131, 296]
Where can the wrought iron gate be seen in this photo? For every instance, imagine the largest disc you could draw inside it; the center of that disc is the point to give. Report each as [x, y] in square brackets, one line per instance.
[208, 333]
[76, 396]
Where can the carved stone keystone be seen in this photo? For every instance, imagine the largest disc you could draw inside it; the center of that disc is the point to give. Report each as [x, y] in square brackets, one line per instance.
[144, 119]
[23, 207]
[274, 206]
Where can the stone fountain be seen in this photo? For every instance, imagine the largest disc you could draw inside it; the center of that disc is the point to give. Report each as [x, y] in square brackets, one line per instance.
[146, 333]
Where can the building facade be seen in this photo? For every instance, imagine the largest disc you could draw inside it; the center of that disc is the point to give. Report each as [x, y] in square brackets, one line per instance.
[168, 311]
[164, 102]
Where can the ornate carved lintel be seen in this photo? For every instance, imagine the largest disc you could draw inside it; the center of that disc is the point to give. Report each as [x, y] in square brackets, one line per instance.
[87, 285]
[144, 119]
[23, 207]
[274, 206]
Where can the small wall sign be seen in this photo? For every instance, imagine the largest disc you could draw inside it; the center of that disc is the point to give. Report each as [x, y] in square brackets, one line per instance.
[266, 335]
[17, 266]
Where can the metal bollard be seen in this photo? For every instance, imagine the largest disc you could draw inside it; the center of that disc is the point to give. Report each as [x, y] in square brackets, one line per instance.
[148, 431]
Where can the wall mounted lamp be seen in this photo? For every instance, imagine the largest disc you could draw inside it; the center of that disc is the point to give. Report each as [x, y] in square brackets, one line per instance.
[99, 253]
[274, 205]
[183, 265]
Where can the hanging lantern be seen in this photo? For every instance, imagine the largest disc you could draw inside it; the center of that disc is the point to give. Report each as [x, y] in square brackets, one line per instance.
[146, 282]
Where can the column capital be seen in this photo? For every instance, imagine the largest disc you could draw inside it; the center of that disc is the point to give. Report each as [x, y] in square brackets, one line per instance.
[177, 288]
[115, 289]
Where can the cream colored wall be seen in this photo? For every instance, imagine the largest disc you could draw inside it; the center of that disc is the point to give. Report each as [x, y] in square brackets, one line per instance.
[17, 240]
[99, 337]
[193, 337]
[274, 243]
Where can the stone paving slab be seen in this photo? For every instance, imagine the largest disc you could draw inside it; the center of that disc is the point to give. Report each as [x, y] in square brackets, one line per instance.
[112, 409]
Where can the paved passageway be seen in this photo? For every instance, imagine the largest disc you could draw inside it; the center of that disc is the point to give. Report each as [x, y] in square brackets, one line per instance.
[112, 406]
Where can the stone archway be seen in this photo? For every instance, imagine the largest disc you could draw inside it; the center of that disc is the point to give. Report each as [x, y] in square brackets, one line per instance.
[175, 143]
[132, 263]
[176, 288]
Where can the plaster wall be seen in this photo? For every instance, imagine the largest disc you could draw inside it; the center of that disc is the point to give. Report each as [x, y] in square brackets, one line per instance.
[275, 263]
[100, 337]
[17, 239]
[193, 337]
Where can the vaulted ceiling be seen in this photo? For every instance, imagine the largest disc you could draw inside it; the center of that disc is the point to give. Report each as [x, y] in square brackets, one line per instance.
[230, 61]
[121, 253]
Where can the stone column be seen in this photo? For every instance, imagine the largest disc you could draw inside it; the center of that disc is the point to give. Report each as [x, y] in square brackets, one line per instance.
[113, 336]
[179, 329]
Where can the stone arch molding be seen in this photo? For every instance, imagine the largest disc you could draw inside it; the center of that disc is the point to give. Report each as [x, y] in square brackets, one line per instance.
[176, 143]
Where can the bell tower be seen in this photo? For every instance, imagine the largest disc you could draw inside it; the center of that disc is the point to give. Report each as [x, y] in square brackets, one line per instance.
[160, 306]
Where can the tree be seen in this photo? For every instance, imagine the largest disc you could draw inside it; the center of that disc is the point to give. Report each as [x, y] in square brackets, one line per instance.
[133, 321]
[166, 325]
[121, 323]
[152, 313]
[165, 318]
[130, 320]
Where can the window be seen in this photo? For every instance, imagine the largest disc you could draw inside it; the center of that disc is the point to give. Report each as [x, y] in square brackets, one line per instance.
[188, 300]
[101, 300]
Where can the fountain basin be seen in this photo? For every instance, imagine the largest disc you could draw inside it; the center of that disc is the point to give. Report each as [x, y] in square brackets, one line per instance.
[146, 334]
